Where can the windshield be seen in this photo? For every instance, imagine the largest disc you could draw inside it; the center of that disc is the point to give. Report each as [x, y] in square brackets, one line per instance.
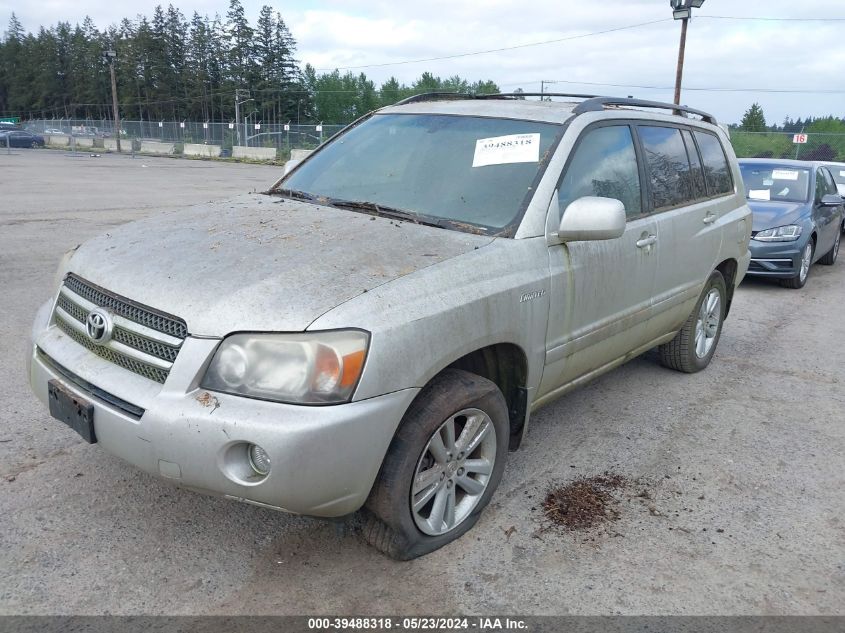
[449, 170]
[775, 183]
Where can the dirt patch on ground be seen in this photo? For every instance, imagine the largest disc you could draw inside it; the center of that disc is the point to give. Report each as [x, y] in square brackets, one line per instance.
[585, 502]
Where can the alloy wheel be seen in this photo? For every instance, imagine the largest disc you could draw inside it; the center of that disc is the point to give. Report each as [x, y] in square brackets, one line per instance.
[707, 325]
[453, 471]
[806, 260]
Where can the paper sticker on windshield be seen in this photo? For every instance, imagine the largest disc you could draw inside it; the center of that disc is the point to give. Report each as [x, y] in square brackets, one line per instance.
[842, 173]
[760, 194]
[784, 174]
[501, 150]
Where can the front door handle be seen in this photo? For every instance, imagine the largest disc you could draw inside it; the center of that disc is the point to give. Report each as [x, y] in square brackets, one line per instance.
[646, 241]
[710, 218]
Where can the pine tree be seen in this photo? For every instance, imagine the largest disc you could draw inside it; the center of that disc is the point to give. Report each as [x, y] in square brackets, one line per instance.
[753, 120]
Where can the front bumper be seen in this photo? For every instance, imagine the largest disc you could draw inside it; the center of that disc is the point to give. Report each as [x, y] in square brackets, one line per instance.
[324, 460]
[781, 260]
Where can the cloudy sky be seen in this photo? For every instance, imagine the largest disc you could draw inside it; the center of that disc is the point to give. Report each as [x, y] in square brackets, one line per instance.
[784, 65]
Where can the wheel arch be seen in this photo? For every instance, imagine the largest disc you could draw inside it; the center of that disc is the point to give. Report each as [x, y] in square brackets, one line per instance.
[506, 365]
[729, 268]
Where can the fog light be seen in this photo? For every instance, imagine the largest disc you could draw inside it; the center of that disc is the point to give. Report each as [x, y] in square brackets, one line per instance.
[259, 460]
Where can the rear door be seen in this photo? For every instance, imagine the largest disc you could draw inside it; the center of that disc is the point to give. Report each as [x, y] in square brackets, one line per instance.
[690, 191]
[601, 292]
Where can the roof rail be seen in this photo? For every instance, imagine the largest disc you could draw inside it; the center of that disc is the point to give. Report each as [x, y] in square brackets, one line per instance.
[445, 96]
[598, 104]
[517, 95]
[434, 96]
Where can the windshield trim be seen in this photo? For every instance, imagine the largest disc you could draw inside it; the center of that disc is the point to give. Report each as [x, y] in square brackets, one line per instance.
[508, 230]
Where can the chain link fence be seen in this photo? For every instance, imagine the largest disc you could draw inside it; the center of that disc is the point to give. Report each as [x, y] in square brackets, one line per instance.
[802, 146]
[223, 137]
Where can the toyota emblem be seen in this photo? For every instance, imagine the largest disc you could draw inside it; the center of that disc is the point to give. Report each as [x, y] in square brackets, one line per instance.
[98, 326]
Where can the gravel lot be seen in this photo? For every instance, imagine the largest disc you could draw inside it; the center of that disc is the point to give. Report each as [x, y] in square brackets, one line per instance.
[744, 465]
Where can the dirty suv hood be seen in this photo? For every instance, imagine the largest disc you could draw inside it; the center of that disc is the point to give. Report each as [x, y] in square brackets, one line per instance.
[259, 263]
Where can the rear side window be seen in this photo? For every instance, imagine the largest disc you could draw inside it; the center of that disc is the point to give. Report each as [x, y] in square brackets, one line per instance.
[716, 168]
[668, 166]
[605, 165]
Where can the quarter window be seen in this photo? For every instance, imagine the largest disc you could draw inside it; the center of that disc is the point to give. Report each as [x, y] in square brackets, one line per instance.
[605, 165]
[668, 166]
[696, 170]
[715, 164]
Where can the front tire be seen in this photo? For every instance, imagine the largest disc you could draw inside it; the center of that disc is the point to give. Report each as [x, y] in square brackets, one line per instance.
[800, 279]
[441, 469]
[694, 345]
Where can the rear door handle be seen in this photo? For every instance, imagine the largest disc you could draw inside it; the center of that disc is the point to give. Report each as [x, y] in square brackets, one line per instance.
[710, 218]
[647, 241]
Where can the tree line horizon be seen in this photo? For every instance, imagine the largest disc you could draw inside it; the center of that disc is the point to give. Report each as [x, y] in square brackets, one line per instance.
[172, 68]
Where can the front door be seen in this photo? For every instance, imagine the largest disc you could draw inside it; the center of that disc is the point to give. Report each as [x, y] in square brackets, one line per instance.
[601, 291]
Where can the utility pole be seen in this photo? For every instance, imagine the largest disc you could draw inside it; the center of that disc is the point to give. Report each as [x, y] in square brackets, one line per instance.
[679, 74]
[238, 93]
[110, 55]
[682, 10]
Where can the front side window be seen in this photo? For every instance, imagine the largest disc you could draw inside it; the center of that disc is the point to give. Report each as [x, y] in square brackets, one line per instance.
[828, 179]
[465, 173]
[604, 165]
[668, 166]
[716, 168]
[838, 173]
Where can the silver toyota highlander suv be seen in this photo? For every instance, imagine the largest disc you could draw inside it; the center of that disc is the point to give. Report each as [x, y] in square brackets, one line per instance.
[375, 330]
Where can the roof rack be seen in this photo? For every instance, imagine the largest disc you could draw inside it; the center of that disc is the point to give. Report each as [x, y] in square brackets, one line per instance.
[591, 103]
[517, 95]
[598, 104]
[434, 96]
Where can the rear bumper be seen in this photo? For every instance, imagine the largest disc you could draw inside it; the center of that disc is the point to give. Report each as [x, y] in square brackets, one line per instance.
[324, 460]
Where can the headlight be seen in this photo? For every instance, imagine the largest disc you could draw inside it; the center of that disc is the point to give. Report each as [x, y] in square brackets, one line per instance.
[780, 234]
[309, 368]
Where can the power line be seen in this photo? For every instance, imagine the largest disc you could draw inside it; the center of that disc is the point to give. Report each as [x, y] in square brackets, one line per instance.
[761, 19]
[498, 50]
[698, 89]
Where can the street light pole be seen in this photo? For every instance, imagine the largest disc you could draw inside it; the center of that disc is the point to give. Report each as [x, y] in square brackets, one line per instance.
[682, 10]
[110, 55]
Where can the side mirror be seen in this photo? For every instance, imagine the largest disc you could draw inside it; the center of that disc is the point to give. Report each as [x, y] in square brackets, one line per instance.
[592, 218]
[831, 200]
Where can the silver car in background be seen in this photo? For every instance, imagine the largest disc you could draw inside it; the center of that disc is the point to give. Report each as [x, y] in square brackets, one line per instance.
[376, 329]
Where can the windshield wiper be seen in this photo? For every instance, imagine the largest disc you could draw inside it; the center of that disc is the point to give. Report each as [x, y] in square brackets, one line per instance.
[385, 211]
[295, 193]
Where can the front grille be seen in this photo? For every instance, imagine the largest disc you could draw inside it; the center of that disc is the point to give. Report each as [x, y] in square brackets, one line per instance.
[153, 373]
[127, 308]
[144, 340]
[121, 335]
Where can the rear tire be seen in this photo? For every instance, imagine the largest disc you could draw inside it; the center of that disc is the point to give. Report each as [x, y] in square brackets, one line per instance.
[829, 258]
[406, 479]
[694, 345]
